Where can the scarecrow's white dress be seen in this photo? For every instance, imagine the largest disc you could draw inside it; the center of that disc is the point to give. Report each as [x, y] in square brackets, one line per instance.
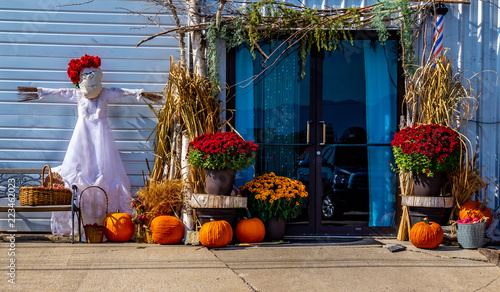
[92, 158]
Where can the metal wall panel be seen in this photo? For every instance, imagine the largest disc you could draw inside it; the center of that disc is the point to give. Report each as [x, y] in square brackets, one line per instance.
[37, 40]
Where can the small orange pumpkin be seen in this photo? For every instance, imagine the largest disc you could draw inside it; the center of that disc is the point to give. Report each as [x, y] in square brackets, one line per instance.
[118, 226]
[250, 230]
[167, 229]
[426, 234]
[475, 209]
[216, 233]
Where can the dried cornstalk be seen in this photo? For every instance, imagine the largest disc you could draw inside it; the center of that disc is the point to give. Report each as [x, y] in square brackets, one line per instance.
[163, 137]
[465, 182]
[189, 108]
[436, 95]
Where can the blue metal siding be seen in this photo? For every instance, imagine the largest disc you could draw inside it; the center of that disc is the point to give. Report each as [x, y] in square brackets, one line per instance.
[37, 40]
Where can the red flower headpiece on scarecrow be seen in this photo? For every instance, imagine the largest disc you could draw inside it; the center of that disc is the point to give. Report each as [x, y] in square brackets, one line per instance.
[75, 66]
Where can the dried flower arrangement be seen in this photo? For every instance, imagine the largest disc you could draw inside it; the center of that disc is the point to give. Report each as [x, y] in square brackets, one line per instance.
[158, 198]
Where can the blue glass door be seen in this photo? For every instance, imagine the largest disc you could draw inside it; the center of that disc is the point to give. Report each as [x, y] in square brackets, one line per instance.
[273, 109]
[357, 119]
[331, 130]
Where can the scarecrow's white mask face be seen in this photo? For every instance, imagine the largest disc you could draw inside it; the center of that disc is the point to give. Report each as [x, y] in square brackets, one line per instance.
[90, 82]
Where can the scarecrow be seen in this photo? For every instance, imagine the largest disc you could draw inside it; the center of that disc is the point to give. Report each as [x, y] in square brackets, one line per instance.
[92, 157]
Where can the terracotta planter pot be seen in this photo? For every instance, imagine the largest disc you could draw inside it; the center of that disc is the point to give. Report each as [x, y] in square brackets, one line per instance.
[219, 182]
[425, 186]
[275, 229]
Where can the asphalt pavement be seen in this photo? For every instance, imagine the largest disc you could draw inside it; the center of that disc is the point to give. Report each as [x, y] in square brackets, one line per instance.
[342, 265]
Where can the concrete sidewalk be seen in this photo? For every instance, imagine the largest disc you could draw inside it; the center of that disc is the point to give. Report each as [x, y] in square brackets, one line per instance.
[364, 265]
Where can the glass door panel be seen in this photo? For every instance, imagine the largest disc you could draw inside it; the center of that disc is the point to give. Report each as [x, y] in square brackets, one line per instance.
[358, 116]
[345, 195]
[273, 110]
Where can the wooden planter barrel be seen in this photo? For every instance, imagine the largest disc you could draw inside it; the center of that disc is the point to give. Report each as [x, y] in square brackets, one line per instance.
[437, 209]
[218, 207]
[215, 201]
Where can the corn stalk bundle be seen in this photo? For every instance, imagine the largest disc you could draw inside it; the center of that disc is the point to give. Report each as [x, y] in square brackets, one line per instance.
[437, 95]
[189, 110]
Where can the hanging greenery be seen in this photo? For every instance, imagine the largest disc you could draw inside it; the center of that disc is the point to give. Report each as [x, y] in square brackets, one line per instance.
[384, 12]
[307, 28]
[233, 36]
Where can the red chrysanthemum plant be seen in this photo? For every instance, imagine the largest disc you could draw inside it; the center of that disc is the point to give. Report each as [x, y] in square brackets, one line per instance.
[427, 149]
[219, 151]
[75, 67]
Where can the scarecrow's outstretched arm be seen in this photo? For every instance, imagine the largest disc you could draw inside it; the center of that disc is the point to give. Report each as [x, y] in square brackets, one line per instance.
[114, 93]
[27, 93]
[154, 97]
[34, 93]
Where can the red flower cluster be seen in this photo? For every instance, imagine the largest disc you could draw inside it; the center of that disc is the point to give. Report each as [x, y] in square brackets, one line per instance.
[222, 150]
[226, 142]
[75, 66]
[433, 141]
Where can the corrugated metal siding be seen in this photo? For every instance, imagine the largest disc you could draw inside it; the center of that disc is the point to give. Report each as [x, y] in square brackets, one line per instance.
[37, 40]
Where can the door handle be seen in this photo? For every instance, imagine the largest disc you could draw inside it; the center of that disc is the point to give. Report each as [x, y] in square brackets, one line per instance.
[323, 143]
[308, 132]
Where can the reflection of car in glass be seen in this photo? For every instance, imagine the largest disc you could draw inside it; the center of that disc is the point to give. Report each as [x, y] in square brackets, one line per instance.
[344, 174]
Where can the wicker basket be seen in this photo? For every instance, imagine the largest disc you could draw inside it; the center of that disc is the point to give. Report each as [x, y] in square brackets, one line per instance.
[93, 234]
[37, 196]
[470, 235]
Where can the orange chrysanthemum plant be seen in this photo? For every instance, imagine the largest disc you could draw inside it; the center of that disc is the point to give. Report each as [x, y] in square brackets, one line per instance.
[270, 195]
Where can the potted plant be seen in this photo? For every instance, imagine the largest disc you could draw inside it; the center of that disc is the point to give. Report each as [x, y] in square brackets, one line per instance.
[427, 151]
[221, 155]
[274, 199]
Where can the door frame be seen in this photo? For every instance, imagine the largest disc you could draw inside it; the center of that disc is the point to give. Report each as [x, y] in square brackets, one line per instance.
[314, 227]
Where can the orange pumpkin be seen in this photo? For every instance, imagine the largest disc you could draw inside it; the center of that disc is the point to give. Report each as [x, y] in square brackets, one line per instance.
[250, 230]
[216, 233]
[118, 226]
[476, 209]
[167, 229]
[426, 234]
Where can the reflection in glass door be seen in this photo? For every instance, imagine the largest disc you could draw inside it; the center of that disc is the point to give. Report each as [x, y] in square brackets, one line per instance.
[345, 194]
[357, 114]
